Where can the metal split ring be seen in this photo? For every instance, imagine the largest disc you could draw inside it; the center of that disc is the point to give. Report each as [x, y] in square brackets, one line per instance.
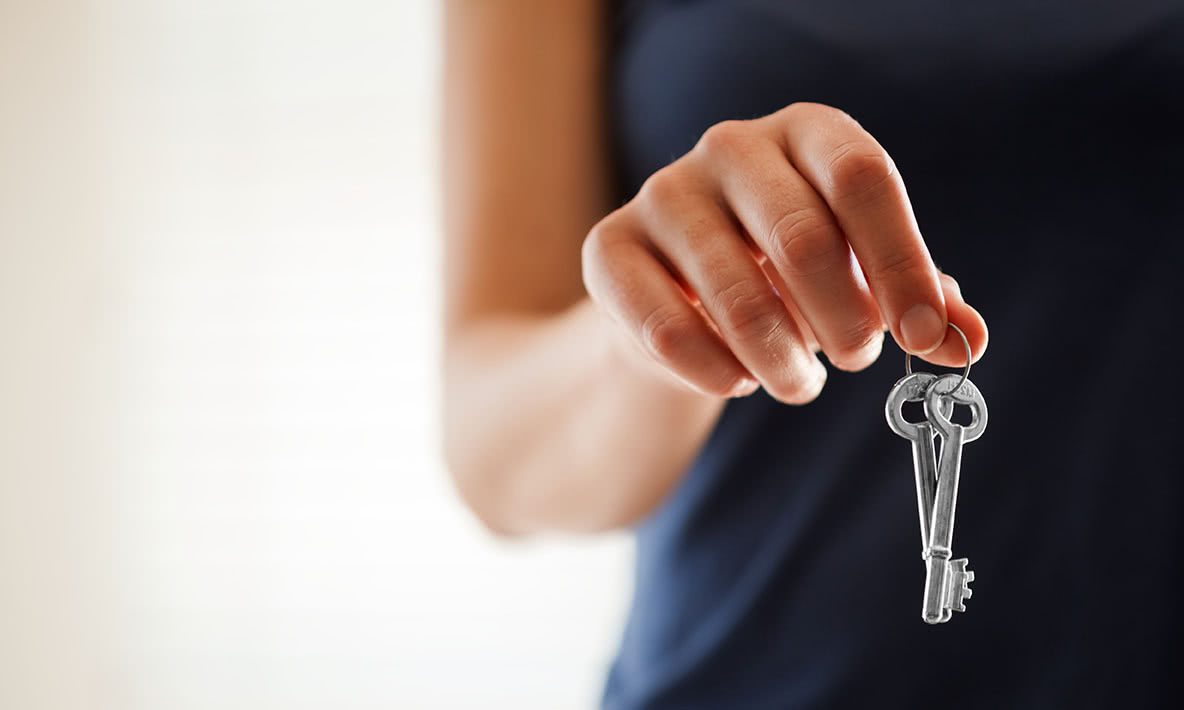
[908, 358]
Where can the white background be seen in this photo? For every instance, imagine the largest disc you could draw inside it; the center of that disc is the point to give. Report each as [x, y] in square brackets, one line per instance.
[220, 479]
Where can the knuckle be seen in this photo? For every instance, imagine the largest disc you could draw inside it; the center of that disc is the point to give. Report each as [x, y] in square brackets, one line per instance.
[592, 250]
[749, 312]
[813, 110]
[857, 171]
[592, 256]
[606, 257]
[663, 187]
[665, 332]
[808, 112]
[595, 252]
[724, 138]
[903, 264]
[799, 109]
[803, 242]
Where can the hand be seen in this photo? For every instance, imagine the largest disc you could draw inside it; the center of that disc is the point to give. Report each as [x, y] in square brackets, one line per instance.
[771, 240]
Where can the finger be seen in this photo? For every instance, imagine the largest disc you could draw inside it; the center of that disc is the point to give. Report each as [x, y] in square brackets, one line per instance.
[952, 353]
[794, 227]
[632, 285]
[860, 183]
[782, 290]
[703, 243]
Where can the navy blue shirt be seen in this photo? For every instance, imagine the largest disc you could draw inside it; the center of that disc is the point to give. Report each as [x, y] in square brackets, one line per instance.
[1042, 144]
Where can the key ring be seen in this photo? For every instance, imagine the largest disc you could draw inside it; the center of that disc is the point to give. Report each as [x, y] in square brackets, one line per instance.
[908, 358]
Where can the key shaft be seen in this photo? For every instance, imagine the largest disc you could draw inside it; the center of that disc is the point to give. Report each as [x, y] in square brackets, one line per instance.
[913, 388]
[941, 536]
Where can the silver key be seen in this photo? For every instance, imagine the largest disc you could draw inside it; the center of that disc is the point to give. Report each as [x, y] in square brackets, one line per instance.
[912, 388]
[946, 580]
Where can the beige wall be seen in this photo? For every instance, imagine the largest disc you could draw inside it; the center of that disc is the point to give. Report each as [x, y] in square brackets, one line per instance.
[219, 484]
[56, 365]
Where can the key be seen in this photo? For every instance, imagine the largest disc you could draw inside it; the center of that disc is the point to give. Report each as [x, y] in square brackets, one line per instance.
[947, 581]
[912, 388]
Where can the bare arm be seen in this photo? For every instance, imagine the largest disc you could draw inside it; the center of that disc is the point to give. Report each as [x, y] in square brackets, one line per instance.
[553, 419]
[733, 267]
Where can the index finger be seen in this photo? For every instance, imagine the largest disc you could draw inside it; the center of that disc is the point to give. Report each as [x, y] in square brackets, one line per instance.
[859, 182]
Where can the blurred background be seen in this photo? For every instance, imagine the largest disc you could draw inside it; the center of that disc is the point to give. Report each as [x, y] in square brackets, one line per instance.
[220, 477]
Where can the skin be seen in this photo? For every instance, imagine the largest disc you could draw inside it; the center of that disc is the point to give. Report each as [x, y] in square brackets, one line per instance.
[588, 352]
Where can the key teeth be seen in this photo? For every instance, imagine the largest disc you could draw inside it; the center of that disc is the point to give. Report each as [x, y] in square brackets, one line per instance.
[960, 579]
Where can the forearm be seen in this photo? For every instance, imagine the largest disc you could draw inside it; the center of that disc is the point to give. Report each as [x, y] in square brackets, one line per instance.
[556, 423]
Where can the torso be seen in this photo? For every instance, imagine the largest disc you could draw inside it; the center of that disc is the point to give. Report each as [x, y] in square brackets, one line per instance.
[1043, 150]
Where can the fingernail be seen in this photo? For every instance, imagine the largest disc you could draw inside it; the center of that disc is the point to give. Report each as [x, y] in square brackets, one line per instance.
[922, 329]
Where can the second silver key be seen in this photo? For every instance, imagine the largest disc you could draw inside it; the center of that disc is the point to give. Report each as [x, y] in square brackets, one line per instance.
[946, 580]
